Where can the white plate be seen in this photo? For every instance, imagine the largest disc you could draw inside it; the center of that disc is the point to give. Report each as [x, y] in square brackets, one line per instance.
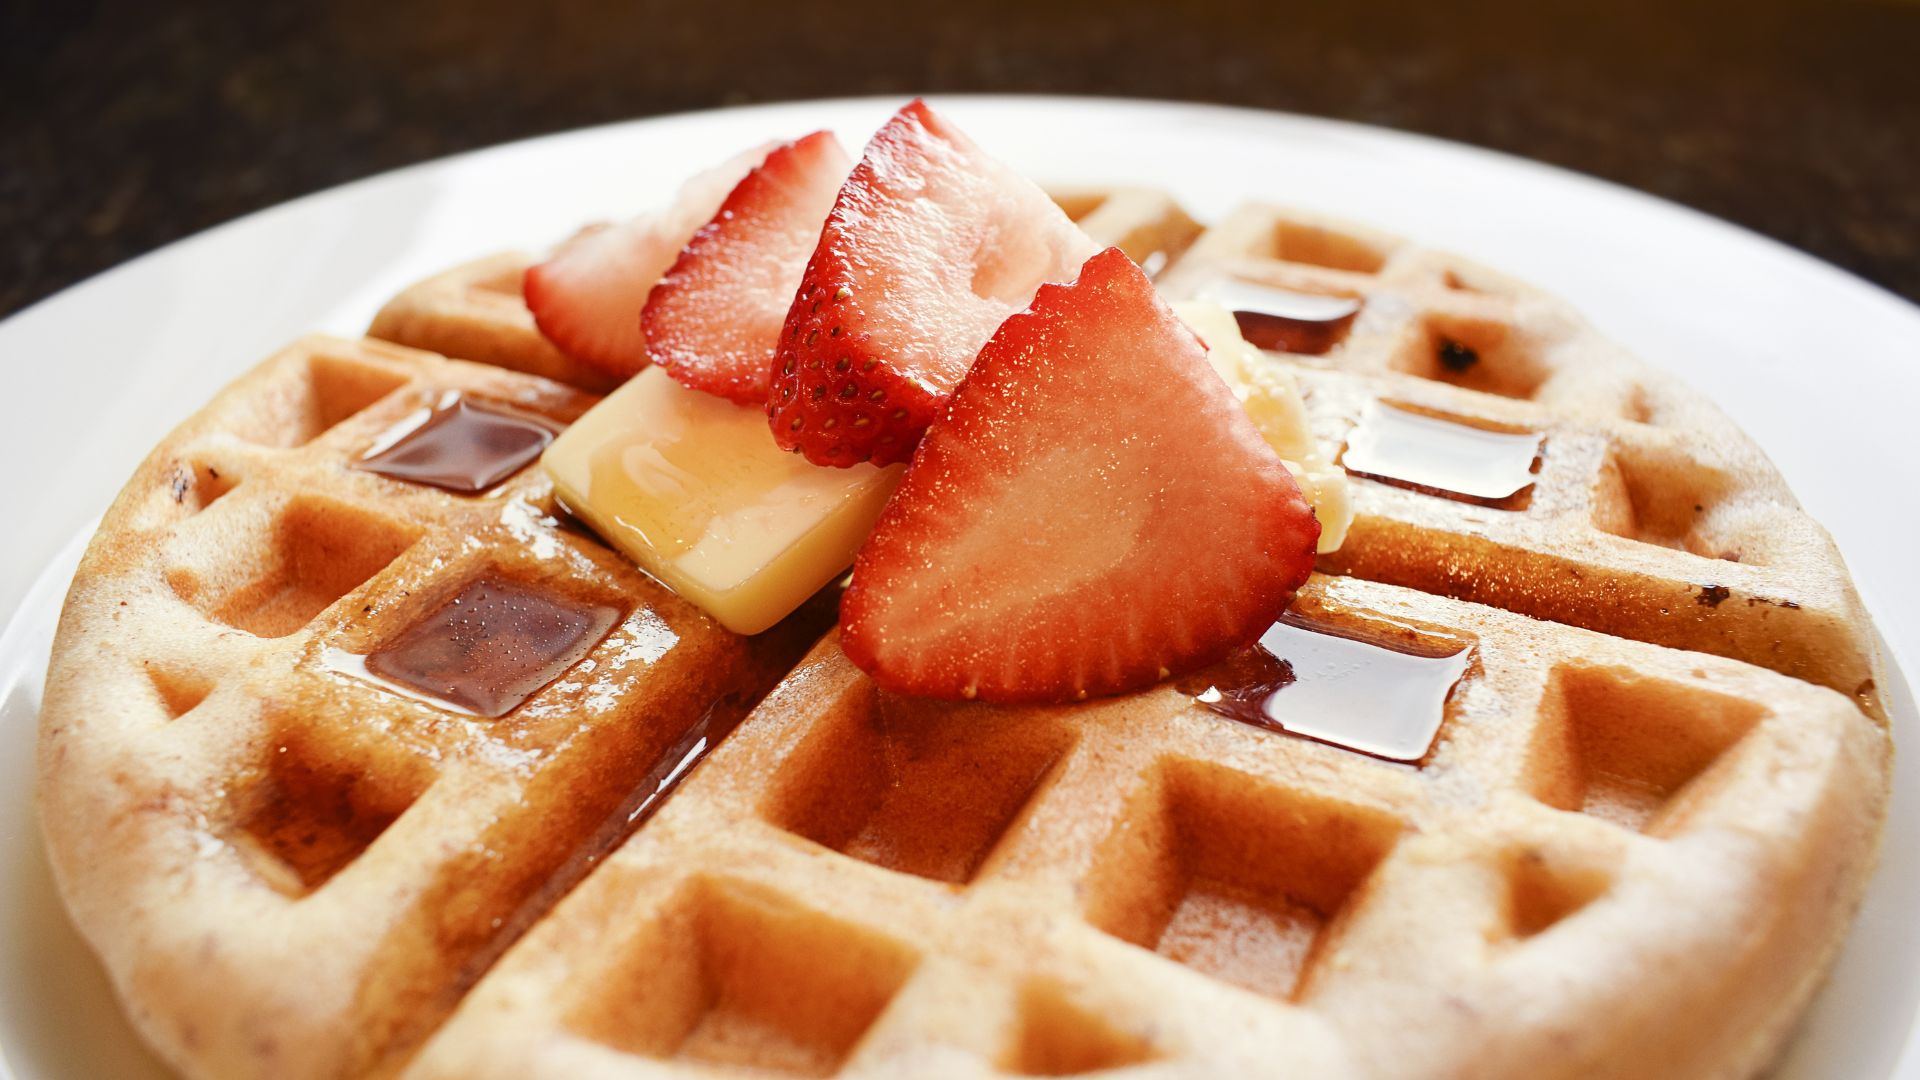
[1823, 369]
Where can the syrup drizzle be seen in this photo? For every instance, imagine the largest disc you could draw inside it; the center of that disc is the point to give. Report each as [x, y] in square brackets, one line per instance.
[1240, 691]
[1340, 686]
[459, 444]
[676, 761]
[486, 650]
[1282, 320]
[1429, 453]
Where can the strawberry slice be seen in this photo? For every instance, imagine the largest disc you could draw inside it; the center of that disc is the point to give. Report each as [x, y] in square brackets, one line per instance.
[1093, 511]
[714, 319]
[930, 245]
[586, 298]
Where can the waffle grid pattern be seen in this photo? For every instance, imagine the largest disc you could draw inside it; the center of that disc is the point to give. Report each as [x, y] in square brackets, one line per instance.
[1652, 516]
[965, 890]
[858, 884]
[222, 805]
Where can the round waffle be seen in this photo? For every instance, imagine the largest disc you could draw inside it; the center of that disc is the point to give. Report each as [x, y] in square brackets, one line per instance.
[1630, 847]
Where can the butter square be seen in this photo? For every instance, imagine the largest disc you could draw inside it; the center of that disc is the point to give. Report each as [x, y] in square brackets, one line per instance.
[692, 488]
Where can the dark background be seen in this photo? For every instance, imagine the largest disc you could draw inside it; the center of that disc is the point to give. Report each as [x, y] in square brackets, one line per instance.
[126, 125]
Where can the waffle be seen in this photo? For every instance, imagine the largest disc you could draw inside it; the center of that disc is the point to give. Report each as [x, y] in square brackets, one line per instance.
[1652, 516]
[290, 871]
[477, 310]
[858, 884]
[1146, 224]
[1630, 848]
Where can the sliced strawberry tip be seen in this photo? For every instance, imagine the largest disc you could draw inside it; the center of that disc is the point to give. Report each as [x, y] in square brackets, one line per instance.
[586, 298]
[714, 319]
[930, 244]
[1092, 512]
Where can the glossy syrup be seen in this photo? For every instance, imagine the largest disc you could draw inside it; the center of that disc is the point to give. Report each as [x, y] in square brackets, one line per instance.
[1353, 689]
[1282, 320]
[678, 760]
[488, 649]
[1434, 454]
[460, 444]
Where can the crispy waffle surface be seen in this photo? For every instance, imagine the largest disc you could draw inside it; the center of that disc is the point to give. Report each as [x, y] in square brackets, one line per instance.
[1652, 516]
[288, 870]
[1632, 849]
[478, 310]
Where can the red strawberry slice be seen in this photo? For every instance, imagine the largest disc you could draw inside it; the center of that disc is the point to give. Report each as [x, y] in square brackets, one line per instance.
[587, 297]
[714, 319]
[930, 245]
[1093, 511]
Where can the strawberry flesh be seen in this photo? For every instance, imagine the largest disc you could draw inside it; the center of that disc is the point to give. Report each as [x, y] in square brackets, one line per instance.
[1091, 512]
[586, 297]
[714, 319]
[930, 245]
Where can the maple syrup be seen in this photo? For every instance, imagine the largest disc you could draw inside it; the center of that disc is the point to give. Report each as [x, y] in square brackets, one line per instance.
[1281, 320]
[1440, 456]
[459, 444]
[486, 650]
[674, 763]
[1338, 685]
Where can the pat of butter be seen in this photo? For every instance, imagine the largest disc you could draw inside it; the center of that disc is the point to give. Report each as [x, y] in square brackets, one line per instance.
[1272, 400]
[692, 488]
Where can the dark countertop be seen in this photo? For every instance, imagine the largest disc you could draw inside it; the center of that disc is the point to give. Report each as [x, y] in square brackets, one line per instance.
[124, 125]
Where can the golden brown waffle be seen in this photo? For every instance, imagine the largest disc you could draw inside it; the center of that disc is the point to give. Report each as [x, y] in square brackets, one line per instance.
[1146, 224]
[1652, 515]
[1619, 860]
[477, 311]
[287, 870]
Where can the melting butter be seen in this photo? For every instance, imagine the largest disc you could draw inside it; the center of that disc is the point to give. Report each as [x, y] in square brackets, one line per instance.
[1272, 400]
[692, 488]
